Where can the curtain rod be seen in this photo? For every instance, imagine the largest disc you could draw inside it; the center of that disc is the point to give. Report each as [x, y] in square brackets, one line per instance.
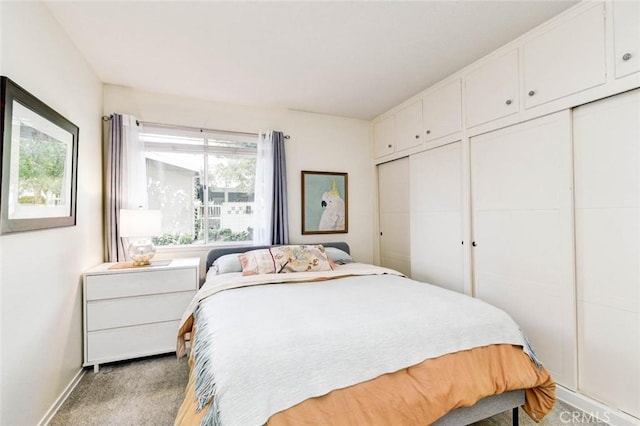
[199, 129]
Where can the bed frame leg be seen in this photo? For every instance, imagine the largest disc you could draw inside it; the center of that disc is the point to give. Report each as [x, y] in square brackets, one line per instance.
[514, 416]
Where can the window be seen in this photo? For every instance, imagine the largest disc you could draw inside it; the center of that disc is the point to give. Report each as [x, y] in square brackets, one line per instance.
[203, 184]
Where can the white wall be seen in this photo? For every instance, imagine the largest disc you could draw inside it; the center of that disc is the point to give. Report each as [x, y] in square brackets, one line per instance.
[318, 142]
[324, 143]
[41, 309]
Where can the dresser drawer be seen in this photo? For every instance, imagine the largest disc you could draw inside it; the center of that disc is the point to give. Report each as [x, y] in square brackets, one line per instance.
[131, 342]
[112, 313]
[139, 283]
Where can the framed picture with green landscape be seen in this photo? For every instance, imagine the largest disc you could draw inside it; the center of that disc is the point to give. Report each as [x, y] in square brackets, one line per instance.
[39, 163]
[325, 207]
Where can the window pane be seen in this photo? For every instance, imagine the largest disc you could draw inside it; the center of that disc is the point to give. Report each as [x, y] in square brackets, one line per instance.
[251, 146]
[173, 184]
[231, 183]
[195, 211]
[171, 136]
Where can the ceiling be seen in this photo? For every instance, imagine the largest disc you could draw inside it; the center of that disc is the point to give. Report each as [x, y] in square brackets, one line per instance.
[351, 59]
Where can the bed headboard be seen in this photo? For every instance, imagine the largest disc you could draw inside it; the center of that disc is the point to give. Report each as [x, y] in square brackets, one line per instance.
[217, 252]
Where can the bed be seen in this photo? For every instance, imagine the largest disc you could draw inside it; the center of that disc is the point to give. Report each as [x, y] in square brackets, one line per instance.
[356, 344]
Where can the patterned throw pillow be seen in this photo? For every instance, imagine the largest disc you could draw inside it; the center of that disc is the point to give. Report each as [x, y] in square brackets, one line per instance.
[257, 262]
[303, 258]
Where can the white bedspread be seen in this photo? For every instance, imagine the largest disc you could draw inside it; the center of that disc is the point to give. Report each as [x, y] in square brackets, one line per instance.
[262, 349]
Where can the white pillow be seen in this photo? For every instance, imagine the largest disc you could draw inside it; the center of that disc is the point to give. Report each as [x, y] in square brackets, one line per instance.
[338, 256]
[228, 263]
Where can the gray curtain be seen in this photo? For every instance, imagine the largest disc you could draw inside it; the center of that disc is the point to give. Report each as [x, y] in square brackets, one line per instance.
[279, 216]
[114, 248]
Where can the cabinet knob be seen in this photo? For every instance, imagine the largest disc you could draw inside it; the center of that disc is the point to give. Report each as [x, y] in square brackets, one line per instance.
[508, 102]
[389, 146]
[428, 132]
[473, 243]
[626, 56]
[531, 92]
[417, 136]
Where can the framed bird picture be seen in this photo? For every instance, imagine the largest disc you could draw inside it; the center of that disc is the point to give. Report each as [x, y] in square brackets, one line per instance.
[325, 207]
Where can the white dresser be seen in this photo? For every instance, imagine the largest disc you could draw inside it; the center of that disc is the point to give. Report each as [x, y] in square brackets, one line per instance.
[135, 311]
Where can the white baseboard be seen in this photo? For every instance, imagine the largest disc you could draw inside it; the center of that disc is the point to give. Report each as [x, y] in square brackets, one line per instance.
[61, 399]
[595, 411]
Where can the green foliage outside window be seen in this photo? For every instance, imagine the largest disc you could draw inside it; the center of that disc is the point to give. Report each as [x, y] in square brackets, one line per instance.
[215, 235]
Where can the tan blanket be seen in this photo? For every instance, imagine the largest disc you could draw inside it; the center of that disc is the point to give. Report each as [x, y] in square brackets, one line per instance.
[418, 395]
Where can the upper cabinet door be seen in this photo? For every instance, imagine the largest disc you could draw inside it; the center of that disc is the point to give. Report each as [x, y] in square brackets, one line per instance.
[442, 111]
[565, 59]
[383, 137]
[492, 90]
[626, 27]
[408, 131]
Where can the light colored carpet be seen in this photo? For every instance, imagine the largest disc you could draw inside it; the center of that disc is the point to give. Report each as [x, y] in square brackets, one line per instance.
[149, 392]
[142, 392]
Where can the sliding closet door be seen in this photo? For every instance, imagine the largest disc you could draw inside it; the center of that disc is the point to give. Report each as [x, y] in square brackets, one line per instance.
[521, 181]
[393, 205]
[607, 179]
[436, 217]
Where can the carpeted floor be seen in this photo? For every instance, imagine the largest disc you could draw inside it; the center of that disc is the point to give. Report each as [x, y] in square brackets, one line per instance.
[149, 392]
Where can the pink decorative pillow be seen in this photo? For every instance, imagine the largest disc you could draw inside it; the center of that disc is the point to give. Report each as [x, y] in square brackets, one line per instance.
[257, 262]
[302, 258]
